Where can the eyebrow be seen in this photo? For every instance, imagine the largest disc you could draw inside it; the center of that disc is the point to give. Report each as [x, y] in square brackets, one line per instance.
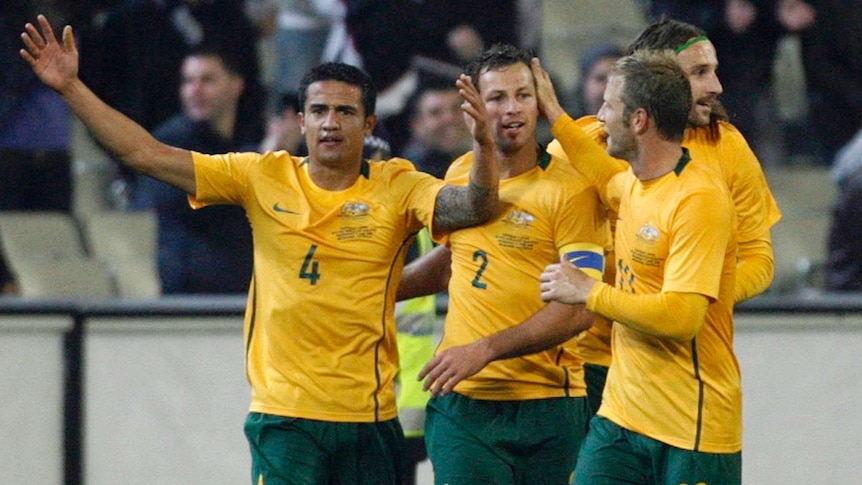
[338, 107]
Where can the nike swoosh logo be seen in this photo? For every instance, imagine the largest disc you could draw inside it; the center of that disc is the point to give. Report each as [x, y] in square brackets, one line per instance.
[286, 211]
[575, 260]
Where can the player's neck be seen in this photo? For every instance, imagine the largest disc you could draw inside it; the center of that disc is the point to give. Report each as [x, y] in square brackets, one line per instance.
[335, 177]
[515, 163]
[656, 157]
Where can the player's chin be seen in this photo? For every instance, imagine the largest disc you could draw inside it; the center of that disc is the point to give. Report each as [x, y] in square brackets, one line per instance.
[700, 115]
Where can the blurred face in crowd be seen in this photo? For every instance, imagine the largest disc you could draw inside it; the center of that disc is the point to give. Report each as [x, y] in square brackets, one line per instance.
[208, 90]
[509, 94]
[334, 123]
[595, 83]
[439, 122]
[699, 62]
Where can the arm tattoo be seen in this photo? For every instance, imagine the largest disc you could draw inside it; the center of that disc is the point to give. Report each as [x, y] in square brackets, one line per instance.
[459, 206]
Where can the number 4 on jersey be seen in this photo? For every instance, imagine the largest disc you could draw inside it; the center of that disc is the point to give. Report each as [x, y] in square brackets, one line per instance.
[310, 264]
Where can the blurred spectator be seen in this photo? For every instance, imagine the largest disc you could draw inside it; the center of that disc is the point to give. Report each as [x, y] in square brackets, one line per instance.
[385, 37]
[283, 131]
[35, 127]
[595, 64]
[438, 133]
[301, 29]
[145, 44]
[844, 263]
[832, 53]
[207, 250]
[745, 34]
[456, 31]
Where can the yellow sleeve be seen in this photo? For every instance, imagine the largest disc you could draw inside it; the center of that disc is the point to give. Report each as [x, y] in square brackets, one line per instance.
[674, 315]
[755, 267]
[590, 159]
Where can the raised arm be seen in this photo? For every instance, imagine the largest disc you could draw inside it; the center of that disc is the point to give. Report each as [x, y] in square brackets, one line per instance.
[56, 65]
[476, 203]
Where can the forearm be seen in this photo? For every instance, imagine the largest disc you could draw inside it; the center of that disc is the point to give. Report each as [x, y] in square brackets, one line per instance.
[755, 268]
[673, 315]
[476, 203]
[587, 156]
[130, 142]
[551, 326]
[427, 275]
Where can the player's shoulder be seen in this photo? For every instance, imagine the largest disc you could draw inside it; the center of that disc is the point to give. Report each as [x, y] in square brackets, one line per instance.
[700, 176]
[719, 133]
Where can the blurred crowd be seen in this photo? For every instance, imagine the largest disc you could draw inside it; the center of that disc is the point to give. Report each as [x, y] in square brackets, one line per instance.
[133, 54]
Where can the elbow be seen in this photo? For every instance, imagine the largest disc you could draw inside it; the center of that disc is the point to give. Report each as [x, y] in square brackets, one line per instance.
[488, 209]
[690, 311]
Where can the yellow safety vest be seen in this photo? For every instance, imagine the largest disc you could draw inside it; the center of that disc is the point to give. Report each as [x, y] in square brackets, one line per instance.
[417, 323]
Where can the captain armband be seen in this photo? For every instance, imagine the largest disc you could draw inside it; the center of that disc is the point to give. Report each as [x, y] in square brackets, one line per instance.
[588, 257]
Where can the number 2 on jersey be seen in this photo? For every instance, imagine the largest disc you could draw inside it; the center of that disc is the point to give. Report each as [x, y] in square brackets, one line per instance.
[310, 264]
[477, 281]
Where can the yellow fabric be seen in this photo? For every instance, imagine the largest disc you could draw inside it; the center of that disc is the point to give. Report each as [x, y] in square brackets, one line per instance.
[675, 234]
[320, 324]
[755, 207]
[495, 276]
[755, 266]
[678, 316]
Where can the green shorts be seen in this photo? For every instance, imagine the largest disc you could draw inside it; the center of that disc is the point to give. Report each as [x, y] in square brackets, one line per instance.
[288, 451]
[474, 442]
[612, 455]
[595, 377]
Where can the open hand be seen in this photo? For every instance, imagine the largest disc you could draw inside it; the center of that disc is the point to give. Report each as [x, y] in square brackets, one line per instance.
[475, 114]
[55, 64]
[549, 105]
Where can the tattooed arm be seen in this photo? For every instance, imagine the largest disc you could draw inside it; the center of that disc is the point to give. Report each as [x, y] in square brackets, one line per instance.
[459, 206]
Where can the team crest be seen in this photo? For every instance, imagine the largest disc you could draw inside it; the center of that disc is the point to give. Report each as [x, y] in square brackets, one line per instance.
[354, 209]
[647, 233]
[519, 218]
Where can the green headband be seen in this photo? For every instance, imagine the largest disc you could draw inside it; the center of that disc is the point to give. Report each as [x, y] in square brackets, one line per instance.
[689, 43]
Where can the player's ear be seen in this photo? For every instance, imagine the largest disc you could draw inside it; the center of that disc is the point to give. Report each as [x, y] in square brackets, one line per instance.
[370, 123]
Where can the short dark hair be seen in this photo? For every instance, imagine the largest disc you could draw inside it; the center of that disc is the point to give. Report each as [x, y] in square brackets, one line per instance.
[230, 61]
[498, 55]
[436, 85]
[653, 80]
[670, 34]
[337, 71]
[665, 33]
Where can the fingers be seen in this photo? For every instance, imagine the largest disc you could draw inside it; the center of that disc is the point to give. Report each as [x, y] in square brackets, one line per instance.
[549, 272]
[472, 102]
[28, 38]
[46, 28]
[440, 375]
[69, 39]
[34, 39]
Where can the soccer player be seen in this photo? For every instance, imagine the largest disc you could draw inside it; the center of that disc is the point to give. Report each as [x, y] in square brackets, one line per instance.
[509, 400]
[330, 232]
[710, 139]
[672, 407]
